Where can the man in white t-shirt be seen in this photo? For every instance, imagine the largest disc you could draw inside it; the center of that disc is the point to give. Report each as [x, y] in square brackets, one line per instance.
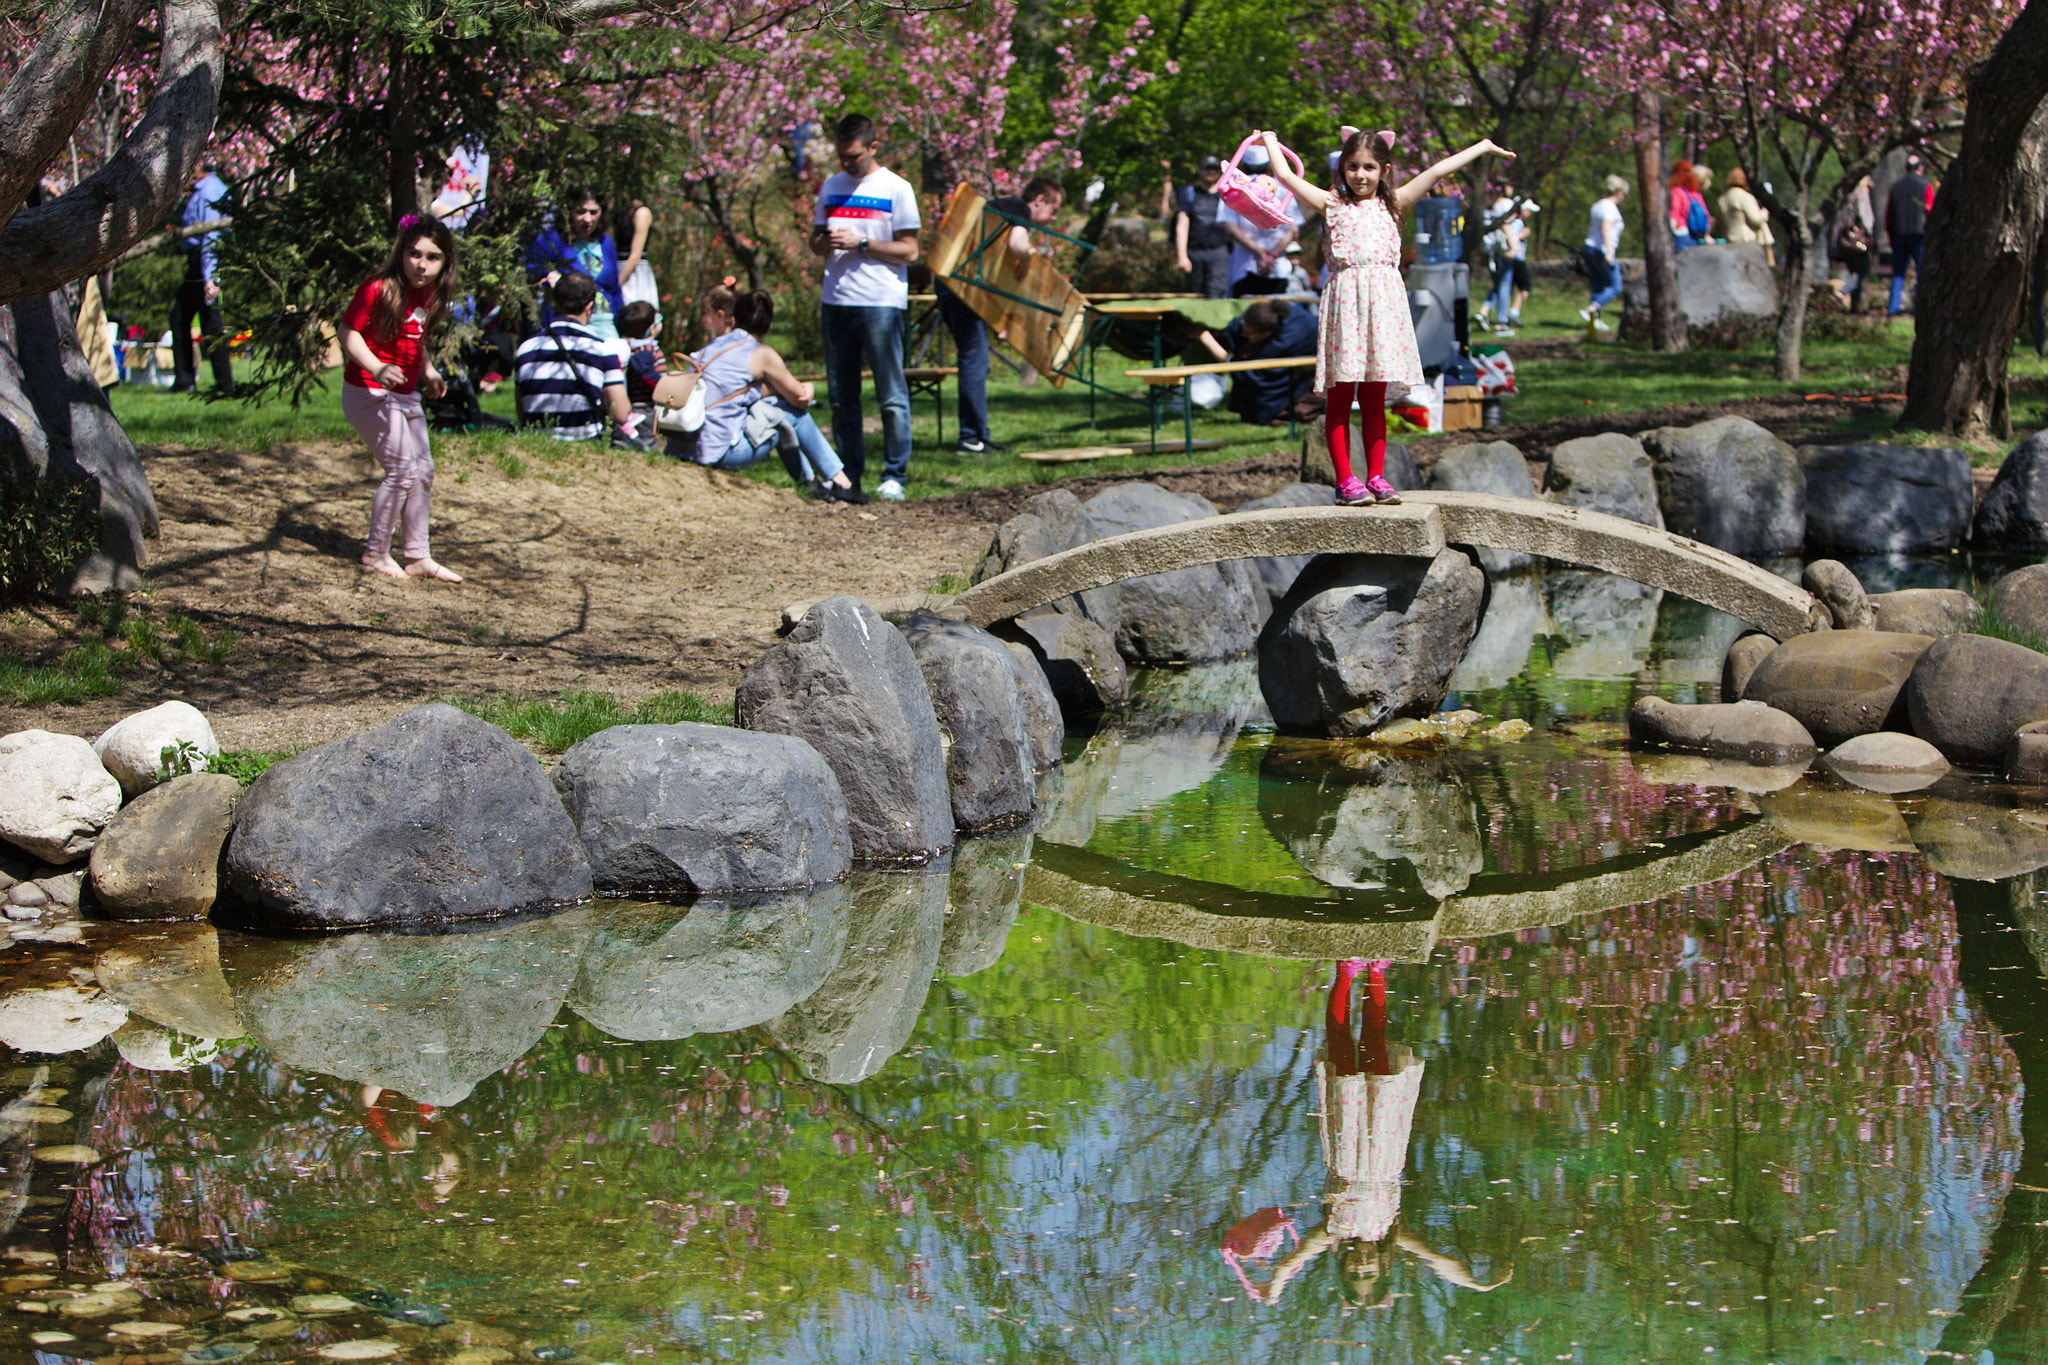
[1258, 255]
[865, 227]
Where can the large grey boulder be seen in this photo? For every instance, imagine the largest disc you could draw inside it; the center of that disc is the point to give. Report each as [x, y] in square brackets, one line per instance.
[1721, 282]
[159, 857]
[1361, 639]
[1746, 730]
[1925, 611]
[1739, 664]
[977, 693]
[1730, 484]
[1841, 592]
[1043, 723]
[132, 749]
[863, 1013]
[656, 972]
[1373, 822]
[845, 681]
[704, 810]
[55, 796]
[2021, 600]
[985, 894]
[1872, 499]
[1192, 615]
[1044, 525]
[428, 1016]
[2013, 517]
[436, 816]
[2026, 758]
[1278, 572]
[1078, 657]
[1606, 473]
[1969, 694]
[1488, 467]
[1886, 762]
[1840, 683]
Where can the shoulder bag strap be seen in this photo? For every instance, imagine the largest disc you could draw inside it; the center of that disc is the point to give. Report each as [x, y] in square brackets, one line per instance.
[595, 396]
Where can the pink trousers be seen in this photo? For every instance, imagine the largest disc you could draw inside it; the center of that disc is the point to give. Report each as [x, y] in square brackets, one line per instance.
[394, 426]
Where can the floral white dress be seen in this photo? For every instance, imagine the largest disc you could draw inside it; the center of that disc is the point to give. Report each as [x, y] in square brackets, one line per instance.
[1367, 335]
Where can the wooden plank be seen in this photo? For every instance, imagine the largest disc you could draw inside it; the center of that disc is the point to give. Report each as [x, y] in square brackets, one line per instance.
[1046, 335]
[1173, 374]
[1077, 454]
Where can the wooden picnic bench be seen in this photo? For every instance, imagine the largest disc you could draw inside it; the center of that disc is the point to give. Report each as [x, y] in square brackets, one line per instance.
[1158, 378]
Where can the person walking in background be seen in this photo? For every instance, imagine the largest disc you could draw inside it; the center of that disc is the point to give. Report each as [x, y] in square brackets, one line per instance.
[585, 249]
[1040, 202]
[1854, 225]
[1601, 252]
[1367, 340]
[1507, 255]
[1743, 218]
[383, 339]
[865, 226]
[1690, 224]
[1905, 223]
[1201, 243]
[199, 294]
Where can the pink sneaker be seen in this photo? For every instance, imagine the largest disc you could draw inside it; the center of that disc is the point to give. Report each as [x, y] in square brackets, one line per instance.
[1382, 491]
[1352, 493]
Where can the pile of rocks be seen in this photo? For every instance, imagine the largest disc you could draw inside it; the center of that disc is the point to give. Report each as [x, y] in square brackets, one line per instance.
[1888, 708]
[136, 803]
[859, 743]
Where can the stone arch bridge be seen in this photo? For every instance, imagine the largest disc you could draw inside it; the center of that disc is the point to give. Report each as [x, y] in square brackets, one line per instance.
[1423, 524]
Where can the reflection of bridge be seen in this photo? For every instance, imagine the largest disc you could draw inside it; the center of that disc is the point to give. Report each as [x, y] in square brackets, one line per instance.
[1210, 915]
[1422, 525]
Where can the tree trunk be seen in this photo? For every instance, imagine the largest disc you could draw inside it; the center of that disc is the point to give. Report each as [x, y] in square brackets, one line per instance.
[1980, 242]
[1660, 254]
[1793, 293]
[87, 227]
[402, 143]
[57, 429]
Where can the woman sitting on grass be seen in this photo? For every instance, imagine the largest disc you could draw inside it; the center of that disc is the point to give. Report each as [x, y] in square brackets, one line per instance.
[383, 339]
[739, 374]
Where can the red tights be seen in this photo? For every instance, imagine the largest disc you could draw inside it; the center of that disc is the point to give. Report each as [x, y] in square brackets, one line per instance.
[1372, 412]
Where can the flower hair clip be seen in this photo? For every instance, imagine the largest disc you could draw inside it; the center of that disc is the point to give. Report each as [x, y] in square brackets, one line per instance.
[409, 222]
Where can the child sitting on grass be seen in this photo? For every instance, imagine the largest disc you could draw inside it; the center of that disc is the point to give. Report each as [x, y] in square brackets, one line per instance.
[638, 325]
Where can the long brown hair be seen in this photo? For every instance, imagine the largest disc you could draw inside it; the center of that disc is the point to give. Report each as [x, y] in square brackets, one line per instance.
[387, 315]
[1380, 147]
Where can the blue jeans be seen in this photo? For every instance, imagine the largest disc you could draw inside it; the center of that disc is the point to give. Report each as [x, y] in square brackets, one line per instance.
[811, 445]
[1907, 249]
[1503, 296]
[873, 336]
[970, 345]
[1603, 276]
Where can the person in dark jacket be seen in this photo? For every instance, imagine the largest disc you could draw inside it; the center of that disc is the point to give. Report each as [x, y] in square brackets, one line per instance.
[1271, 329]
[585, 249]
[1905, 222]
[1201, 242]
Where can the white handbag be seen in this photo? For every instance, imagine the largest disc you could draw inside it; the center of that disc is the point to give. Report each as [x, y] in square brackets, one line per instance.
[679, 403]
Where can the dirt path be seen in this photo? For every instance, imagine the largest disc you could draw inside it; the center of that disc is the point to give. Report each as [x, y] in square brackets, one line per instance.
[601, 573]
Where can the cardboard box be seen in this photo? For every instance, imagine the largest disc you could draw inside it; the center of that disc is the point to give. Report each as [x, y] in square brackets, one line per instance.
[1461, 408]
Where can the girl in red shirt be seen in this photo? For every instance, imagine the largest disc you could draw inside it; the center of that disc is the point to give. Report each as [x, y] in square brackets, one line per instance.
[384, 344]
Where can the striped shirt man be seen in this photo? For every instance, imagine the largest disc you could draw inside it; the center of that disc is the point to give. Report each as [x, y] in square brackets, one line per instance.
[563, 386]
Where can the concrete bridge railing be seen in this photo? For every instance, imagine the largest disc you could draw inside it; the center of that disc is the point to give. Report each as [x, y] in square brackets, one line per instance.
[1423, 524]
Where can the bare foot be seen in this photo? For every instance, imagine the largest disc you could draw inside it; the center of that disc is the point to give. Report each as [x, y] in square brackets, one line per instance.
[383, 564]
[427, 568]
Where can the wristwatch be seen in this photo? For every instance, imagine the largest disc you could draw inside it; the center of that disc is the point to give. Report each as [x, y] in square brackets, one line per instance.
[863, 247]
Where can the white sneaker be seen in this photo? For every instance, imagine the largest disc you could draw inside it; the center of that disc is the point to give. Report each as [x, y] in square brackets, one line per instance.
[1600, 326]
[1503, 331]
[890, 491]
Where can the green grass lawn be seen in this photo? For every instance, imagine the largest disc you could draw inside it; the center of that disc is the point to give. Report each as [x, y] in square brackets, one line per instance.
[1609, 376]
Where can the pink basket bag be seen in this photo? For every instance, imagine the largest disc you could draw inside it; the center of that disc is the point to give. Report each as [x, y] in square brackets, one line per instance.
[1258, 199]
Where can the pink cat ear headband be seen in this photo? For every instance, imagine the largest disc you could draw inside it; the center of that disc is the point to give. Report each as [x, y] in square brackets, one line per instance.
[1385, 138]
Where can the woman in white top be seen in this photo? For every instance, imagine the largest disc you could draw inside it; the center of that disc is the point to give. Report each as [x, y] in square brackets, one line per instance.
[1743, 217]
[1602, 251]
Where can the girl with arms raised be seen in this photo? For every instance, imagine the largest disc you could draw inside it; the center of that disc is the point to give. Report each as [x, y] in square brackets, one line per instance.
[1368, 340]
[384, 342]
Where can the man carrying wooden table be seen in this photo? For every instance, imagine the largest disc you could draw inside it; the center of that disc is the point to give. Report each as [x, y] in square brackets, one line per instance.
[1039, 202]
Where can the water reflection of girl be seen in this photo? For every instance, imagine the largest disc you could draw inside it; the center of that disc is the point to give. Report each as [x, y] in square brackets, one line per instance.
[416, 1123]
[1368, 1088]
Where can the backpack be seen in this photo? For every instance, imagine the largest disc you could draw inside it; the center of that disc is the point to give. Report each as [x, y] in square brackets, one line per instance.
[1696, 221]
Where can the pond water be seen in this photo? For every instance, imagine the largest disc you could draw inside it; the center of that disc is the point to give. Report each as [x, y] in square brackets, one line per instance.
[1663, 1064]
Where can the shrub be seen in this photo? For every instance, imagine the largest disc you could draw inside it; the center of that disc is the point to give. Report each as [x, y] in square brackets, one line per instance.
[46, 527]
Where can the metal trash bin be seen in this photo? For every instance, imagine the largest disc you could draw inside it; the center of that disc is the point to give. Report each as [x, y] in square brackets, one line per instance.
[1439, 302]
